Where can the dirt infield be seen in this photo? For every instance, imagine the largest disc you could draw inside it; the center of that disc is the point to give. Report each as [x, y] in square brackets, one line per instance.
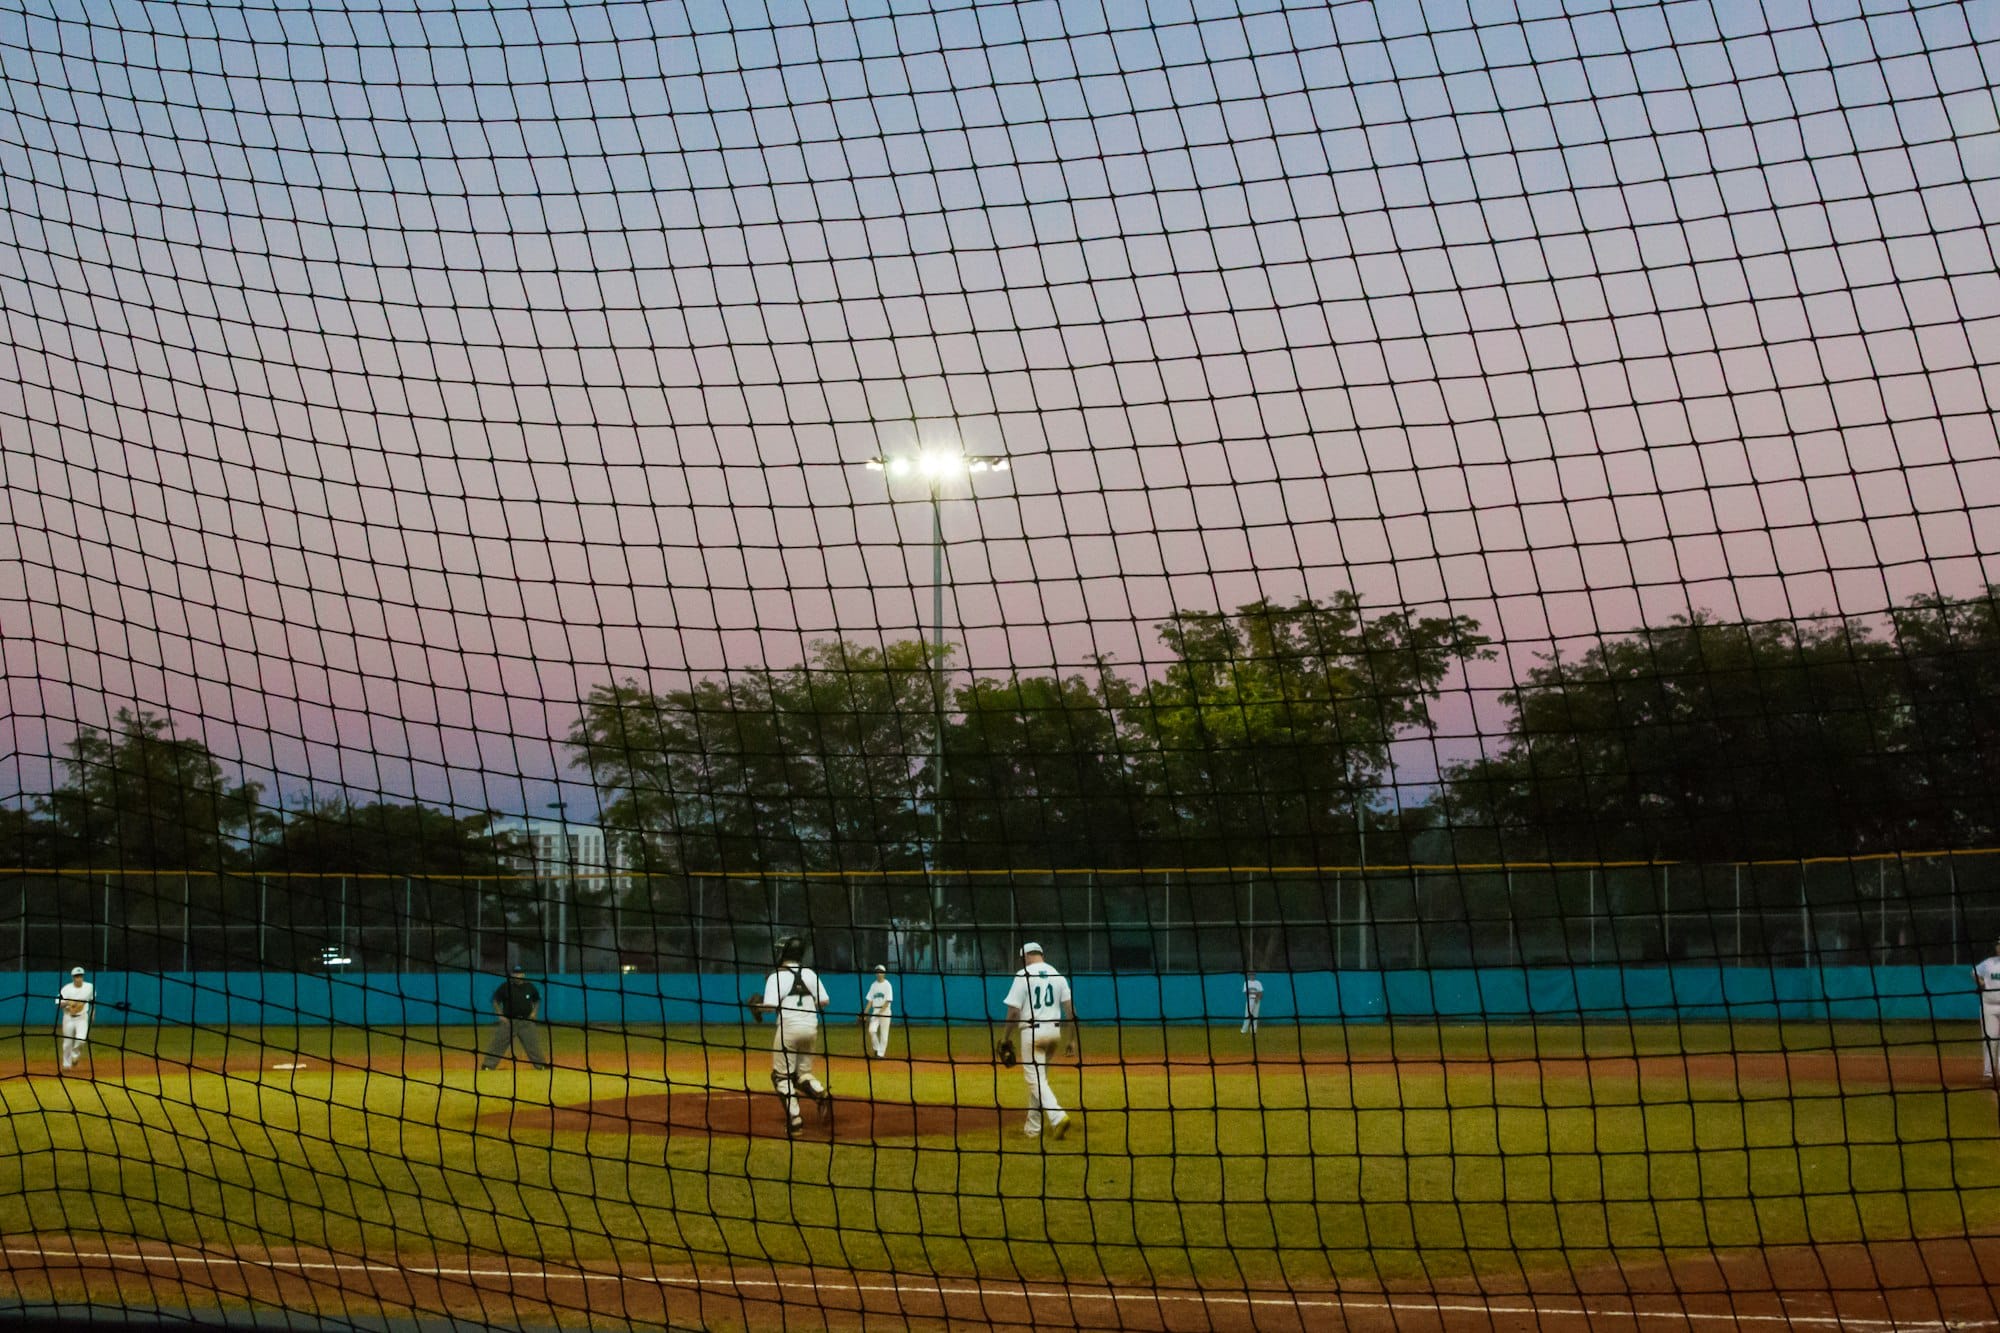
[752, 1115]
[1938, 1284]
[1853, 1070]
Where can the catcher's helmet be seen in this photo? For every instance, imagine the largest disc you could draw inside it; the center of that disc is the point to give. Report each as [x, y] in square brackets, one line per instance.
[791, 949]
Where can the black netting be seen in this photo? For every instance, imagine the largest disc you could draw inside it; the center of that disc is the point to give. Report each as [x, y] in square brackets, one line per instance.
[1438, 559]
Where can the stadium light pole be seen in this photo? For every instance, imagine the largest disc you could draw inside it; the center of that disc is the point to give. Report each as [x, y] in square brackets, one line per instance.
[936, 467]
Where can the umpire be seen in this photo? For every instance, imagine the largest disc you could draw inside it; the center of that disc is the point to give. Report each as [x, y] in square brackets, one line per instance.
[517, 1002]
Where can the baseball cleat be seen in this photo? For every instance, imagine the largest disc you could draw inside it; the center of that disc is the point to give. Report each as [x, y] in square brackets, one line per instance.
[825, 1107]
[1061, 1130]
[796, 1128]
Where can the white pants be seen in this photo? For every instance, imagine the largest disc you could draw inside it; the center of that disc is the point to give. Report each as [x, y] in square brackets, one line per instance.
[75, 1032]
[792, 1048]
[1038, 1046]
[1250, 1016]
[1989, 1032]
[878, 1034]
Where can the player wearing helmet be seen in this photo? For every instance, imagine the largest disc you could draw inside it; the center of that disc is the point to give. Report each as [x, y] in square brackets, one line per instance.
[796, 995]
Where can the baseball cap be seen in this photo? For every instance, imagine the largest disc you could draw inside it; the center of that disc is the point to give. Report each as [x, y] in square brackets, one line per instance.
[883, 970]
[76, 971]
[1031, 947]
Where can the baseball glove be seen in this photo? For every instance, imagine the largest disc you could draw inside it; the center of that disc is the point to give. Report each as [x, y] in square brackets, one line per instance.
[756, 1003]
[1005, 1052]
[74, 1008]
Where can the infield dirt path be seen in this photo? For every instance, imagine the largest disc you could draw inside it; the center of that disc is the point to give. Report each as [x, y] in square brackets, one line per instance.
[1862, 1069]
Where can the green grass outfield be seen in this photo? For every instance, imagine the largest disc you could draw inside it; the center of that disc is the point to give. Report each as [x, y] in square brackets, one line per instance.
[1340, 1153]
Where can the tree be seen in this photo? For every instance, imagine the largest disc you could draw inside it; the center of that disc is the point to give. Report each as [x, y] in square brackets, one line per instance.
[26, 842]
[338, 836]
[1947, 652]
[855, 726]
[380, 860]
[672, 771]
[1270, 728]
[814, 767]
[1040, 774]
[139, 798]
[1696, 740]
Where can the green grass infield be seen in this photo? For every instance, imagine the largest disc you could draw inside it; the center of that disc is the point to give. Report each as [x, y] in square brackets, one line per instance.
[1321, 1155]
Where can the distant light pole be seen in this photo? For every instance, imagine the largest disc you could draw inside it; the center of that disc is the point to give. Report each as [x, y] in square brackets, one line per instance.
[936, 467]
[563, 864]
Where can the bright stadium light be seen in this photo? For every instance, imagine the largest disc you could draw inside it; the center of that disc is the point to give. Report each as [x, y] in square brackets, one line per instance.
[937, 465]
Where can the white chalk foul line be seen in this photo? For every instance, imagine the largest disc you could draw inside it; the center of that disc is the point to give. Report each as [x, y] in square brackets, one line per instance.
[943, 1287]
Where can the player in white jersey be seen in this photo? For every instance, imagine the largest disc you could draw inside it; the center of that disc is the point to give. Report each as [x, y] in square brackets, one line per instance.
[74, 1003]
[1040, 1017]
[795, 993]
[1253, 1000]
[1986, 976]
[877, 1007]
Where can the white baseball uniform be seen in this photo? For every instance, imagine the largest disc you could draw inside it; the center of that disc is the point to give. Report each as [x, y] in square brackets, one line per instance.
[75, 1002]
[798, 995]
[880, 1004]
[1040, 993]
[1987, 974]
[1253, 1003]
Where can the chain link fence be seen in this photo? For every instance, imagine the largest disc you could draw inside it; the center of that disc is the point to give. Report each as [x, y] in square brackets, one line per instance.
[1920, 909]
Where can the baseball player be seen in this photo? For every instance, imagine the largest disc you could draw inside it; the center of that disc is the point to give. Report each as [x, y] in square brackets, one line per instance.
[1253, 1000]
[1040, 1016]
[75, 1002]
[797, 995]
[876, 1008]
[1986, 977]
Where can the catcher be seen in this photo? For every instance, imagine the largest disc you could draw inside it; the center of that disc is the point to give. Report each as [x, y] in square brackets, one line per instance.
[797, 995]
[75, 1002]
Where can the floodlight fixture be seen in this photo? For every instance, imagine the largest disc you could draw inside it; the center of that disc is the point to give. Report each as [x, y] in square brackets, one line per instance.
[937, 465]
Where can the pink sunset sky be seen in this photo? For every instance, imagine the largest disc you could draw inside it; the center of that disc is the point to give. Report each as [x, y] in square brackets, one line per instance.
[374, 385]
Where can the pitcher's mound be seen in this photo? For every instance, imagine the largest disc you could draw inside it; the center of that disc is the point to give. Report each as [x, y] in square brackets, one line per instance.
[756, 1115]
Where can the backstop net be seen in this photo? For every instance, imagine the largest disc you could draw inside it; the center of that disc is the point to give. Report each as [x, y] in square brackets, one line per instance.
[578, 581]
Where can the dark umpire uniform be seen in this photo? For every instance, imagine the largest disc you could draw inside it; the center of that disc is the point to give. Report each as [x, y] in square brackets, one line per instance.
[517, 1002]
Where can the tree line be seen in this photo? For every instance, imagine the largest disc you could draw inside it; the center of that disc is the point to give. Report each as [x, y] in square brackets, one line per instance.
[1258, 736]
[1720, 740]
[135, 797]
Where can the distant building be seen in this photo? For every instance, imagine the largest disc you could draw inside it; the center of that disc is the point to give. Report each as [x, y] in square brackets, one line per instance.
[573, 864]
[560, 849]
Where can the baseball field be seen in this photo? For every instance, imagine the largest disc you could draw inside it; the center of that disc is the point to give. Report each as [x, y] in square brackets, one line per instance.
[1843, 1175]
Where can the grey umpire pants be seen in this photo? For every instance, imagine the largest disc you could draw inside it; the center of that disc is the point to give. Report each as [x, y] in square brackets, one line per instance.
[506, 1032]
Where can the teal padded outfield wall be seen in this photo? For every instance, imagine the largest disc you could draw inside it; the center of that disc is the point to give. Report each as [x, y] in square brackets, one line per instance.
[1498, 994]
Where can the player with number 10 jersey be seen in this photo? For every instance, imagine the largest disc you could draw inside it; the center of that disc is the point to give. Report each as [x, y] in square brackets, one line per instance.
[1041, 1014]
